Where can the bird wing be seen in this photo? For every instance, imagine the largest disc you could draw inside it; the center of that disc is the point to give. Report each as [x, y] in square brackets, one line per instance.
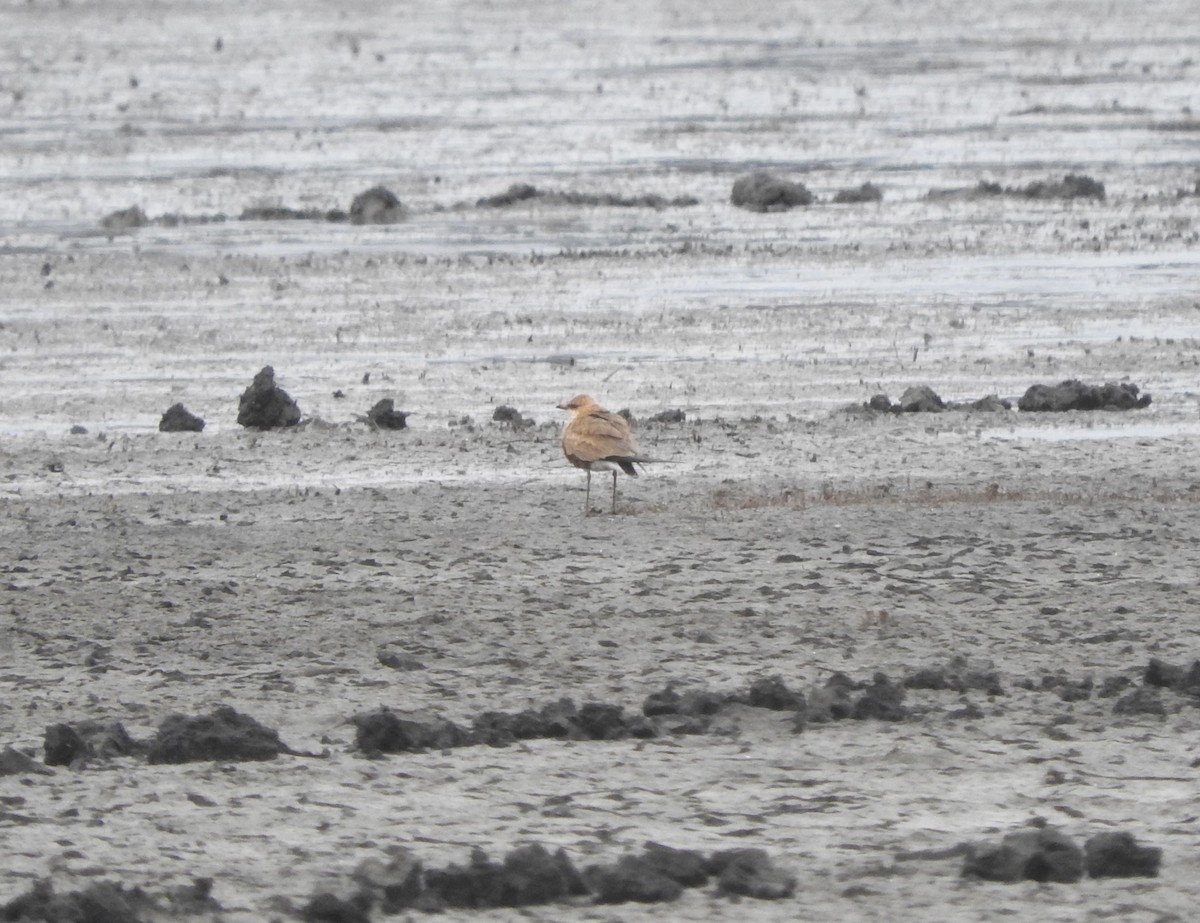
[599, 435]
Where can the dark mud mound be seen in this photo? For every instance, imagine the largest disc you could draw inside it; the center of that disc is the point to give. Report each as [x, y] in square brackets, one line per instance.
[178, 419]
[1048, 855]
[508, 416]
[124, 219]
[842, 698]
[532, 875]
[1071, 186]
[384, 415]
[867, 192]
[15, 763]
[667, 711]
[661, 873]
[750, 873]
[264, 405]
[923, 399]
[1075, 395]
[384, 731]
[1026, 855]
[1067, 395]
[517, 192]
[528, 875]
[989, 403]
[283, 213]
[378, 205]
[1184, 680]
[1118, 855]
[525, 192]
[225, 734]
[959, 674]
[65, 744]
[762, 191]
[106, 902]
[630, 880]
[1148, 698]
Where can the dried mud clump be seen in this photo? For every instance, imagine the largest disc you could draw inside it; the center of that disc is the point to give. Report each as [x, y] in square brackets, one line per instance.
[881, 699]
[1026, 855]
[264, 405]
[384, 731]
[867, 192]
[1185, 680]
[1067, 689]
[64, 744]
[668, 417]
[923, 399]
[762, 191]
[661, 873]
[772, 693]
[394, 884]
[329, 908]
[384, 415]
[378, 205]
[106, 902]
[960, 675]
[525, 192]
[1075, 395]
[1071, 186]
[178, 419]
[561, 720]
[1117, 855]
[690, 712]
[517, 192]
[511, 417]
[667, 711]
[750, 873]
[125, 219]
[1071, 395]
[687, 866]
[1141, 701]
[15, 763]
[989, 403]
[532, 875]
[528, 875]
[1049, 855]
[225, 734]
[283, 213]
[630, 879]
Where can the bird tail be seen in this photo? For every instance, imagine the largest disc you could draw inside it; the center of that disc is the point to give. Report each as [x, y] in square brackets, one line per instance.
[627, 463]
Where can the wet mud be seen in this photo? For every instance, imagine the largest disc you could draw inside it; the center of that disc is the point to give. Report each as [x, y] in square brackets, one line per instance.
[287, 651]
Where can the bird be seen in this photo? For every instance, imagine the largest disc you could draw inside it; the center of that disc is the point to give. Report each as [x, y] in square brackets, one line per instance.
[596, 440]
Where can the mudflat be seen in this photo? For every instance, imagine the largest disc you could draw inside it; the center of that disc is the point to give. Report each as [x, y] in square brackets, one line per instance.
[311, 574]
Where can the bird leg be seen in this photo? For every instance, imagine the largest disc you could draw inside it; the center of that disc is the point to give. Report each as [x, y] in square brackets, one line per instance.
[614, 500]
[587, 497]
